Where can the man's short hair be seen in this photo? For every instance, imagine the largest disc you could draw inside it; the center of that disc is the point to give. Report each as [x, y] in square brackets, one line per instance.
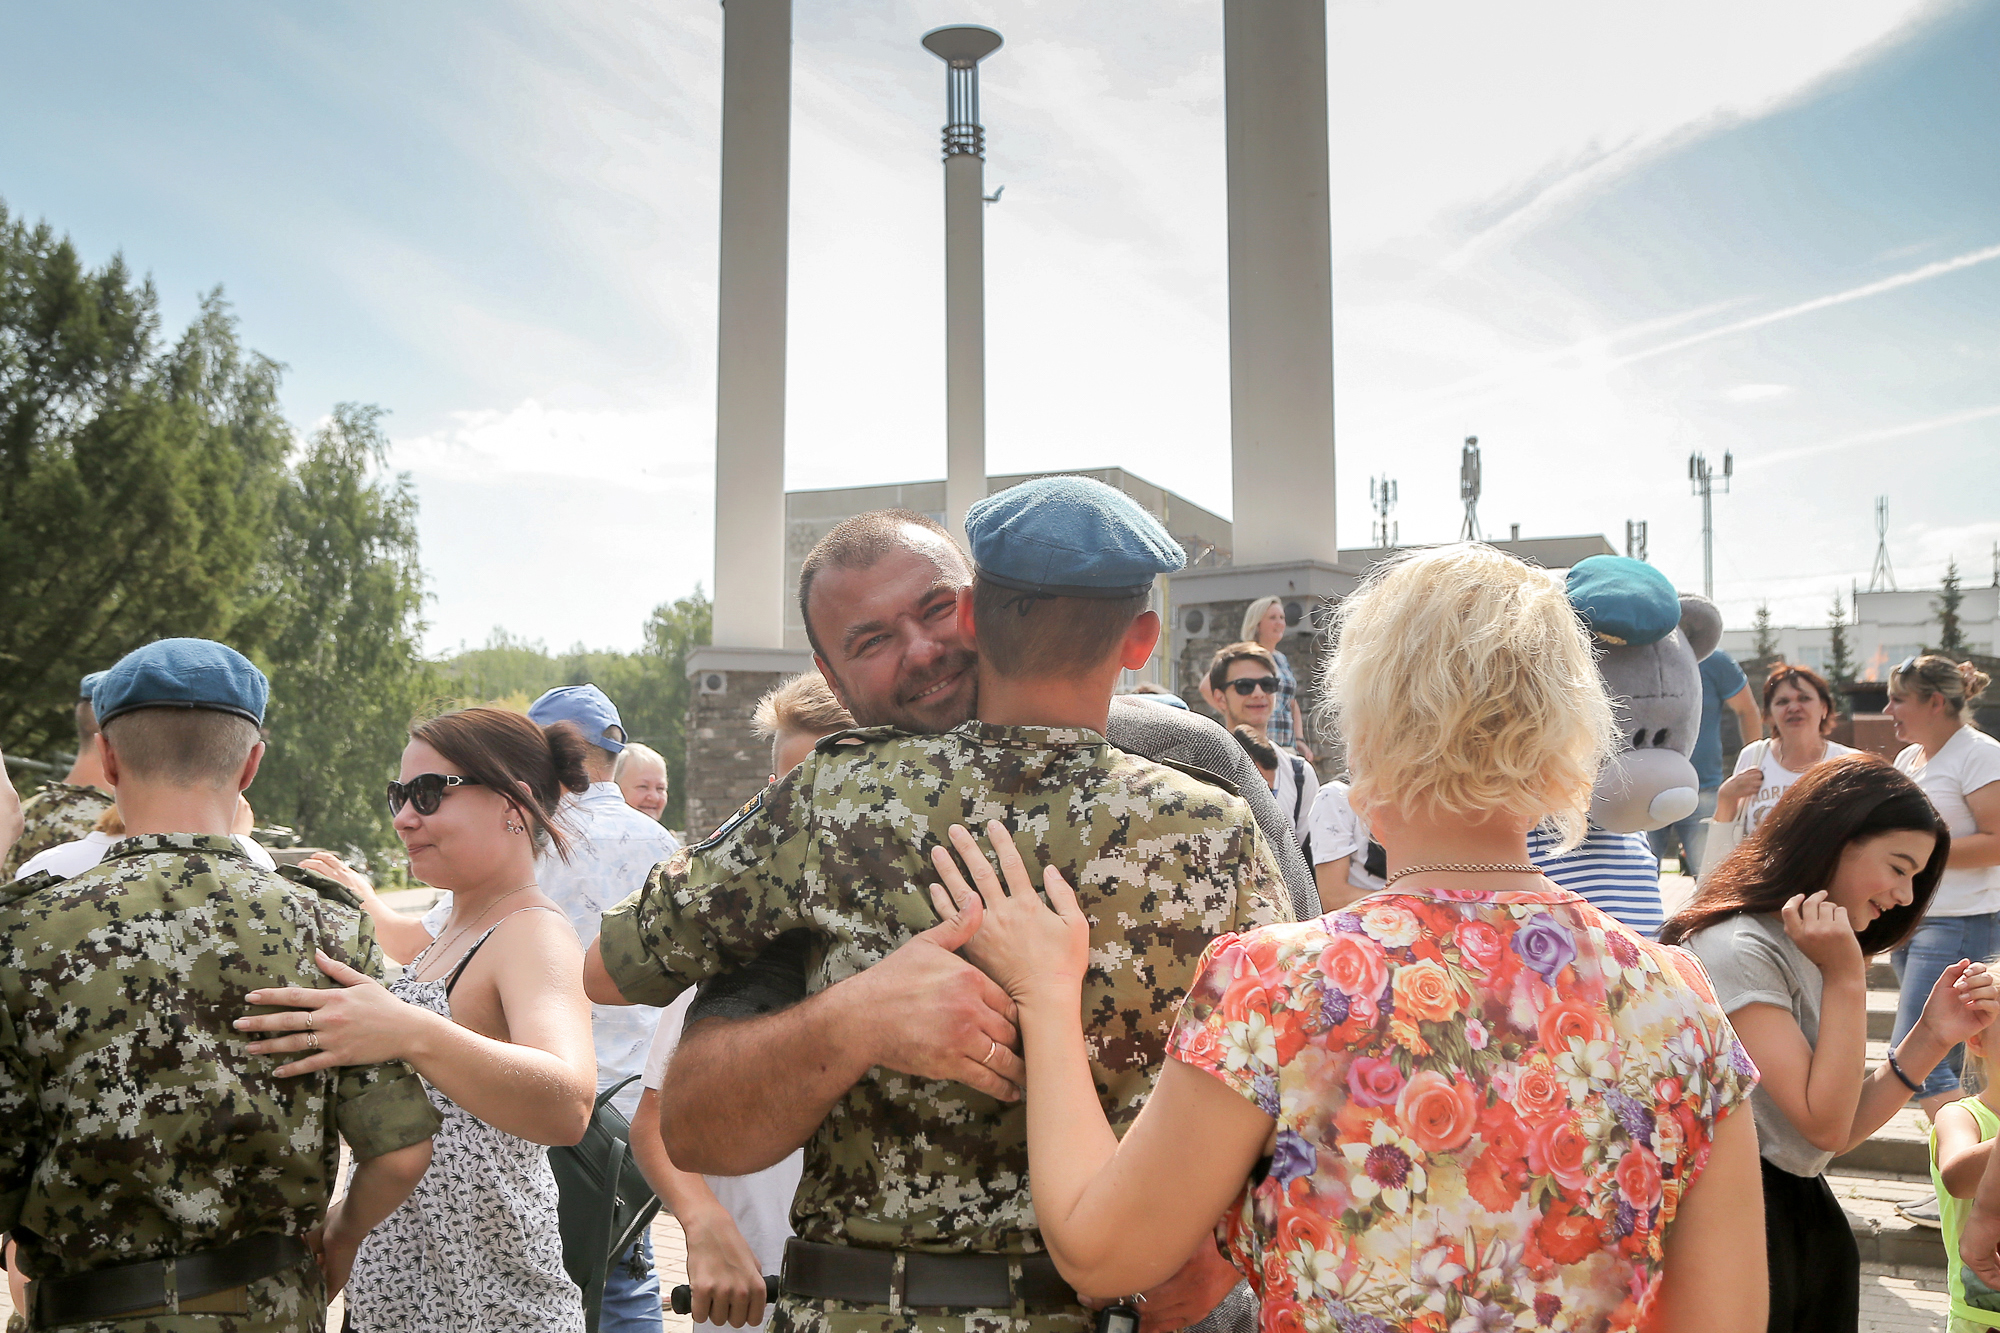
[86, 724]
[1218, 668]
[857, 543]
[803, 705]
[1262, 753]
[182, 747]
[1033, 634]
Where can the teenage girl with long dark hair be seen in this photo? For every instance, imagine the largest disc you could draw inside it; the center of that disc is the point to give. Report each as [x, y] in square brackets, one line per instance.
[1841, 868]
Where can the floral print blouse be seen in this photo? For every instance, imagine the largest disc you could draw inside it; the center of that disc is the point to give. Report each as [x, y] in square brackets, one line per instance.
[1488, 1107]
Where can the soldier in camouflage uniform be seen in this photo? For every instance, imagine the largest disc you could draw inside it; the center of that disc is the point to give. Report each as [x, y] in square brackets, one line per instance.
[61, 812]
[914, 1211]
[154, 1176]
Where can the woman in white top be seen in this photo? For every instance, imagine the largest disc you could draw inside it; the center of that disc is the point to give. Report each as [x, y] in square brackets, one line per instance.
[1798, 712]
[1958, 767]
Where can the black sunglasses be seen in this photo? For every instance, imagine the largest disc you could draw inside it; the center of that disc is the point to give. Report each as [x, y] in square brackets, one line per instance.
[425, 791]
[1268, 684]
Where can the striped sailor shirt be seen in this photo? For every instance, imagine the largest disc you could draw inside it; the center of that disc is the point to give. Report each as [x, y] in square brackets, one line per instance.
[1616, 873]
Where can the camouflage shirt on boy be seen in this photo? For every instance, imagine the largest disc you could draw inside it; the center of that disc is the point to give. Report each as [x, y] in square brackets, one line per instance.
[57, 813]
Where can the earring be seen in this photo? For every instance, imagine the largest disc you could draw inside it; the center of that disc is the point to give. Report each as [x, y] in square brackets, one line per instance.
[513, 827]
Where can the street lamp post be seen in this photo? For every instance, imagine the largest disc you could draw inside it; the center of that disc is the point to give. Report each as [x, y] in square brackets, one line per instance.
[1702, 476]
[962, 48]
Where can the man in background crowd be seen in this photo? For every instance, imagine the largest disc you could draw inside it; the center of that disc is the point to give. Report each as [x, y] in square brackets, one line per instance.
[1242, 684]
[65, 811]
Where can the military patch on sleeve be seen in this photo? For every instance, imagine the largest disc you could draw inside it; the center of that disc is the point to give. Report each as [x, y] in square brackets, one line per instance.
[729, 825]
[320, 884]
[13, 892]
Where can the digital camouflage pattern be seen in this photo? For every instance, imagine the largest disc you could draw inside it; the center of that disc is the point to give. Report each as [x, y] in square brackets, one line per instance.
[133, 1124]
[57, 813]
[1162, 863]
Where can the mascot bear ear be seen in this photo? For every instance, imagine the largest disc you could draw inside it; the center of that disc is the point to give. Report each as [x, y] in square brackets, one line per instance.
[1701, 624]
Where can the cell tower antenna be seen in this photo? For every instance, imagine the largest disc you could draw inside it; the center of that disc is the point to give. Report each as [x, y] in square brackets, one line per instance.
[1883, 577]
[1382, 499]
[1468, 488]
[1702, 476]
[1635, 538]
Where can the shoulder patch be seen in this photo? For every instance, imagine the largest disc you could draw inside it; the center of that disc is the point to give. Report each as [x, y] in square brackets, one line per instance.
[16, 890]
[856, 736]
[320, 884]
[728, 826]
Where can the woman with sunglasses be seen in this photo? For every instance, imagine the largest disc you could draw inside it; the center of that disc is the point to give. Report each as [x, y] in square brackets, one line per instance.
[1958, 767]
[492, 1015]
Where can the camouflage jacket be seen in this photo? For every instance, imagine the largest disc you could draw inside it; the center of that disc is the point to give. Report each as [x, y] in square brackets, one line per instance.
[57, 813]
[133, 1125]
[1162, 862]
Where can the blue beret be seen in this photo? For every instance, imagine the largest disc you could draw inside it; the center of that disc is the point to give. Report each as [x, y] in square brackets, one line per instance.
[88, 688]
[1069, 537]
[1624, 601]
[587, 709]
[183, 673]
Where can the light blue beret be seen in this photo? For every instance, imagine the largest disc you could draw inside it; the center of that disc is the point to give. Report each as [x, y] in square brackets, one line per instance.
[183, 673]
[88, 688]
[1069, 537]
[1625, 602]
[584, 707]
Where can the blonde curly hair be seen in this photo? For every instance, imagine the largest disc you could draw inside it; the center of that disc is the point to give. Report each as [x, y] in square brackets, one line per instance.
[1463, 682]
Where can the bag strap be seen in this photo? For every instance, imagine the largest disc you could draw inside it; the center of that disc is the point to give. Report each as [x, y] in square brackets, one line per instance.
[458, 969]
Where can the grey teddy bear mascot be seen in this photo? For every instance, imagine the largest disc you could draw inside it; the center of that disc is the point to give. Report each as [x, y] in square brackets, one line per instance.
[1650, 640]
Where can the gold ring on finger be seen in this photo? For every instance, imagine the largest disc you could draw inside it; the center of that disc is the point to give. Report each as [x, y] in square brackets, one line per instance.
[992, 1049]
[312, 1016]
[312, 1041]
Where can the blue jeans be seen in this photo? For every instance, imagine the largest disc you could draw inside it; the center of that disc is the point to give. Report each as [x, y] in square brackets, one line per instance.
[1939, 942]
[632, 1304]
[1682, 838]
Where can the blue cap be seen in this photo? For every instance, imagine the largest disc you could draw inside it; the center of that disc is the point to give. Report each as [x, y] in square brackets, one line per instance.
[1625, 602]
[183, 673]
[87, 690]
[1069, 537]
[585, 708]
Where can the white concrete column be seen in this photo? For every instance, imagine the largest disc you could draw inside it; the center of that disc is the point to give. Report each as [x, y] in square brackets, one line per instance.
[750, 352]
[1280, 281]
[964, 337]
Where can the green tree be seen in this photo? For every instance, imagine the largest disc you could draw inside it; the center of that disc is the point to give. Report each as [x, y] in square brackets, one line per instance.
[1840, 655]
[1767, 637]
[136, 483]
[341, 600]
[1951, 630]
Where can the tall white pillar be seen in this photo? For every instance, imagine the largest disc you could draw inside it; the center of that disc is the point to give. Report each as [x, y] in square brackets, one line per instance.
[1280, 281]
[962, 48]
[750, 353]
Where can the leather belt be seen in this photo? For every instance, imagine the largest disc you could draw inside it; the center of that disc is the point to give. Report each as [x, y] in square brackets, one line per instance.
[904, 1279]
[167, 1286]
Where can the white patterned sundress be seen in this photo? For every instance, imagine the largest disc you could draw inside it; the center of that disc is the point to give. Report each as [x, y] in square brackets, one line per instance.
[476, 1248]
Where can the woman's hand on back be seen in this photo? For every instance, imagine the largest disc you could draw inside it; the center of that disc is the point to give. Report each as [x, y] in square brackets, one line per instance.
[1021, 944]
[1964, 1000]
[357, 1022]
[1823, 932]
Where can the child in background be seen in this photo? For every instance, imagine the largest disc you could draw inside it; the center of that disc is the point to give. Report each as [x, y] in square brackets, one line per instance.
[1961, 1139]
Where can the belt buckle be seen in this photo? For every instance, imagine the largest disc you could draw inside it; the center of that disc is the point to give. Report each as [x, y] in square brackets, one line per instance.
[170, 1284]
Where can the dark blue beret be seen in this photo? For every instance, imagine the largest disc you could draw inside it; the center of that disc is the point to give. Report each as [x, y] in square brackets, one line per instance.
[1624, 601]
[183, 673]
[88, 688]
[1069, 537]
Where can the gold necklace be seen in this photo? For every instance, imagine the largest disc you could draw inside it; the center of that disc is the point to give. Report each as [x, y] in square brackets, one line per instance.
[1461, 869]
[461, 931]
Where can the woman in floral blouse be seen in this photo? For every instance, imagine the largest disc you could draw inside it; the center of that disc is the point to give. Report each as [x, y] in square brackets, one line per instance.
[1469, 1102]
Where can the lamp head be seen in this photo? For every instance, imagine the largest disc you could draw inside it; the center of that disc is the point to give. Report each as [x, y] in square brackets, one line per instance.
[962, 46]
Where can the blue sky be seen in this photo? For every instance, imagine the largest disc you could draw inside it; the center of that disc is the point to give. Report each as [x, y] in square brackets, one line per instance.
[1596, 237]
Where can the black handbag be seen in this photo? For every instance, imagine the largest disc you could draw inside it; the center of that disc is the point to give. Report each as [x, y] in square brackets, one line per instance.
[605, 1203]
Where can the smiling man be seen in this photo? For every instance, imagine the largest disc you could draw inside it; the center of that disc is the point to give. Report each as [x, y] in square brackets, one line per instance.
[881, 598]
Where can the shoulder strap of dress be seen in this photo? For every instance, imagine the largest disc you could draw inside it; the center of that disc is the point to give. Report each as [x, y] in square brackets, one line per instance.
[466, 957]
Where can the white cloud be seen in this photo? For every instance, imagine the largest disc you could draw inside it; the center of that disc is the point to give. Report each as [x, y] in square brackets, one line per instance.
[1758, 393]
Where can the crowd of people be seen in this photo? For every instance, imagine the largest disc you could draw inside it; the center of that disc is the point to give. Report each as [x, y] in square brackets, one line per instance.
[1013, 1003]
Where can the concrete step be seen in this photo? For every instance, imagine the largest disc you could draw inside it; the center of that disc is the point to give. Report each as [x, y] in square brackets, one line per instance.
[1869, 1199]
[1881, 976]
[1901, 1147]
[1881, 1014]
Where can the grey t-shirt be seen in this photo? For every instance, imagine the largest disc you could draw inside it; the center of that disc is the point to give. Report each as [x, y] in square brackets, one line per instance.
[1751, 960]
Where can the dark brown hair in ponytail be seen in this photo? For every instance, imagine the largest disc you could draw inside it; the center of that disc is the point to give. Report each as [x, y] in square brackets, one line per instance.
[506, 752]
